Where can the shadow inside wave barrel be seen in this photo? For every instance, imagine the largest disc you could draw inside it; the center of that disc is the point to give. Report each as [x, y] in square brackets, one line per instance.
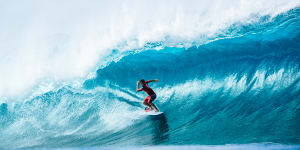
[150, 130]
[160, 128]
[153, 129]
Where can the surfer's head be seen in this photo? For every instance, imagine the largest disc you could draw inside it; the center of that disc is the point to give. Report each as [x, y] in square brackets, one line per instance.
[142, 81]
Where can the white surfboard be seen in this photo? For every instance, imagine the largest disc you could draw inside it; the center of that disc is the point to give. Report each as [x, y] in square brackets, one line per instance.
[154, 113]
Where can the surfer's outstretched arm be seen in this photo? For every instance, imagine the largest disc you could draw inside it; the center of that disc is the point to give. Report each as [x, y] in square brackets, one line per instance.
[155, 80]
[138, 86]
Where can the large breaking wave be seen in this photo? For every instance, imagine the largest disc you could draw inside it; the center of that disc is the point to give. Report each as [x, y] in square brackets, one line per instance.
[239, 85]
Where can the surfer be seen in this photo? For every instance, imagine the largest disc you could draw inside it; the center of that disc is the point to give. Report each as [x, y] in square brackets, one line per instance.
[151, 95]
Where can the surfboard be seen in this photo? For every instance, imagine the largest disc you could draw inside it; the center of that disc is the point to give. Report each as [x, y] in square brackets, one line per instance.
[152, 112]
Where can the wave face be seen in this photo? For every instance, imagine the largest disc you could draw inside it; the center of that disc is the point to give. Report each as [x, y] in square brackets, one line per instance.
[240, 86]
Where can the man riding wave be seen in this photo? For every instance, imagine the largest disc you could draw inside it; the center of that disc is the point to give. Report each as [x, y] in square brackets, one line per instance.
[151, 94]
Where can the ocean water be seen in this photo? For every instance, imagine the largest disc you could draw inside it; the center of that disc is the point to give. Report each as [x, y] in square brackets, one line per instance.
[229, 74]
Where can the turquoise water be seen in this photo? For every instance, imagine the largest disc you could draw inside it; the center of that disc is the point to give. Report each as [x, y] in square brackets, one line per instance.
[241, 86]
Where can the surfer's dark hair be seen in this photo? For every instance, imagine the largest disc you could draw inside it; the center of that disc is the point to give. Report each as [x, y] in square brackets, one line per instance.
[142, 81]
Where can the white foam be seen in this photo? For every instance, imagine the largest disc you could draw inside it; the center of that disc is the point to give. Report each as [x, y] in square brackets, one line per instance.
[62, 40]
[230, 84]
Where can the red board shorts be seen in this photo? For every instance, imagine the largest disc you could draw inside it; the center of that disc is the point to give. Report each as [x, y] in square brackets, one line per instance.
[150, 99]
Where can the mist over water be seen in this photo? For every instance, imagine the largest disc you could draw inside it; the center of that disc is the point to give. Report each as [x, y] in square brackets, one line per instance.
[57, 41]
[229, 73]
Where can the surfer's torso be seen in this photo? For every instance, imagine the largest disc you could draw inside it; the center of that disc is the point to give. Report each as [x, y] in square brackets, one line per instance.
[147, 89]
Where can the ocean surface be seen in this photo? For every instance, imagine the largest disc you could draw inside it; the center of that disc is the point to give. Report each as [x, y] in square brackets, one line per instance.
[229, 75]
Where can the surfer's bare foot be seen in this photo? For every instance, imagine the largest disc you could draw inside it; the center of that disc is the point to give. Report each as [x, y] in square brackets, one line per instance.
[149, 108]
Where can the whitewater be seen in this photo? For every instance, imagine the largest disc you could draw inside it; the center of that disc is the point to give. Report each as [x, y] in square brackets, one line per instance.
[229, 74]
